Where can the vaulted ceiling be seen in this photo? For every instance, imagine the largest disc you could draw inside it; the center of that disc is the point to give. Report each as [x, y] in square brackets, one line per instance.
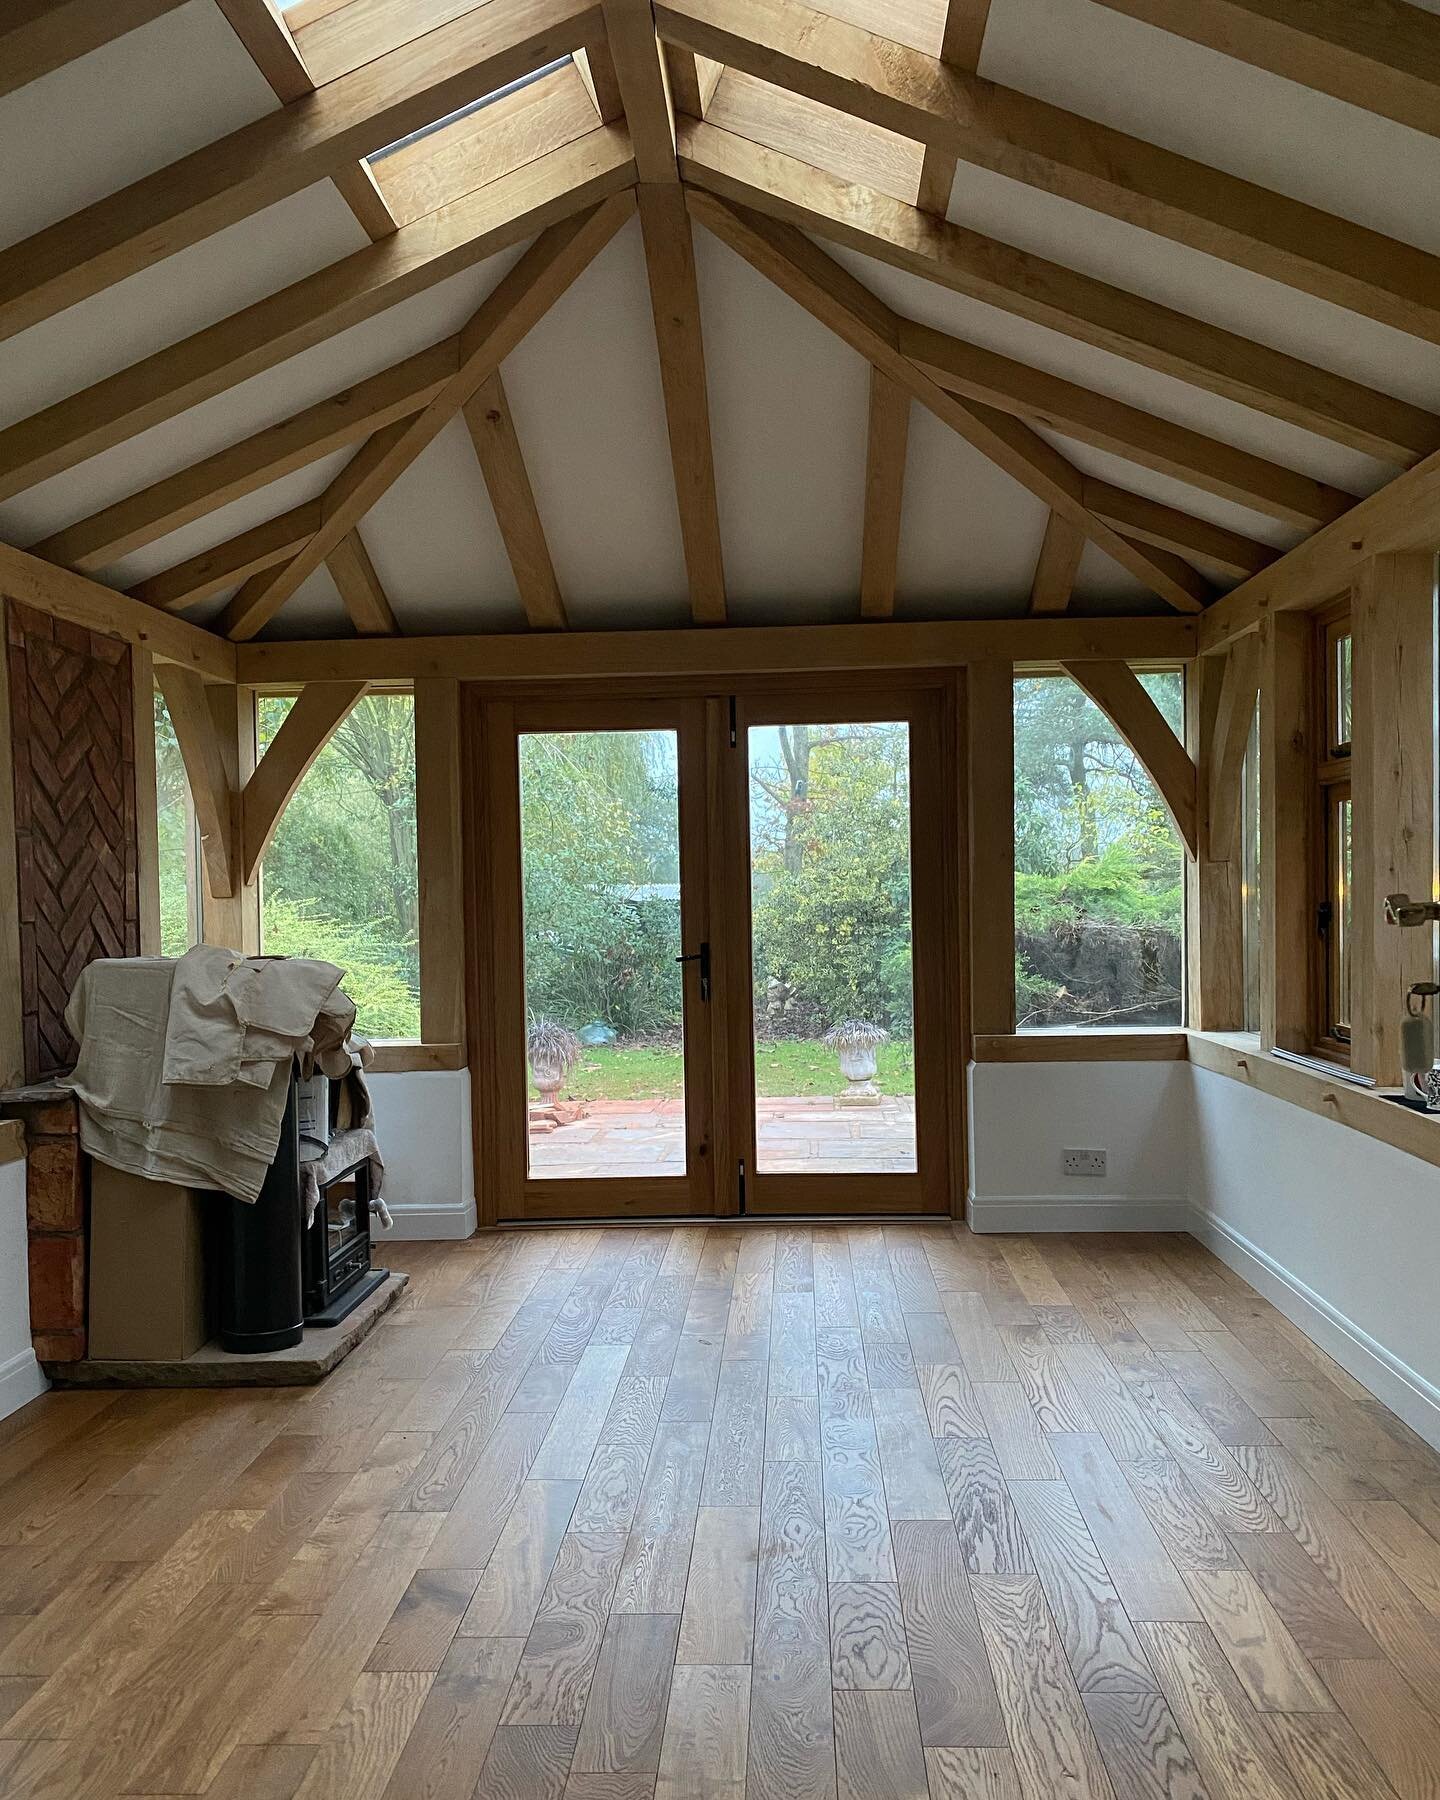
[1104, 330]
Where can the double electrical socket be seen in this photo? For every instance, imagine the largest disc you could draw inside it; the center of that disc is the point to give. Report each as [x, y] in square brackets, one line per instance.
[1083, 1162]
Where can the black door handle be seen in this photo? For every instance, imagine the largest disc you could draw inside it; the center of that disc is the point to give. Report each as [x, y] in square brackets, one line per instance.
[702, 956]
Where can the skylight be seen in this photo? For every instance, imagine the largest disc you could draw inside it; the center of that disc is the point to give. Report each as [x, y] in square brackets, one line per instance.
[465, 112]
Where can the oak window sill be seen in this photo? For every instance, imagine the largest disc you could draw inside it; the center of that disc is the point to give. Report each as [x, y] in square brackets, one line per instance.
[409, 1056]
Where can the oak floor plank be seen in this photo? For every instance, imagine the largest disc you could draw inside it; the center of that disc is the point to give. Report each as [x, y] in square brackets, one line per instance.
[580, 1417]
[1180, 1518]
[914, 1487]
[717, 1625]
[473, 1525]
[972, 1775]
[1100, 1641]
[528, 1762]
[307, 1697]
[610, 1491]
[657, 1556]
[625, 1713]
[1404, 1543]
[868, 1648]
[553, 1679]
[1148, 1583]
[447, 1746]
[857, 1522]
[981, 1349]
[991, 1540]
[507, 1596]
[1402, 1737]
[878, 1754]
[356, 1760]
[596, 1511]
[955, 1695]
[703, 1755]
[736, 1450]
[1144, 1750]
[1013, 1429]
[1326, 1757]
[791, 1747]
[1050, 1735]
[1229, 1740]
[426, 1618]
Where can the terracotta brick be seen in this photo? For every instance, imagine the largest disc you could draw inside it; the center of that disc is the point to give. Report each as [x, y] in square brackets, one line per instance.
[59, 1346]
[59, 1120]
[57, 1283]
[54, 1186]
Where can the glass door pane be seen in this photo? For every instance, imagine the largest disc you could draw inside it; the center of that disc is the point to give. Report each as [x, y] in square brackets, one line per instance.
[832, 948]
[604, 1006]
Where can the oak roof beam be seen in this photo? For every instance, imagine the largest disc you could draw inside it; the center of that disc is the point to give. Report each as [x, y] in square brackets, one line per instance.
[492, 218]
[1077, 305]
[522, 297]
[1383, 55]
[828, 291]
[1066, 154]
[40, 36]
[341, 419]
[512, 499]
[277, 155]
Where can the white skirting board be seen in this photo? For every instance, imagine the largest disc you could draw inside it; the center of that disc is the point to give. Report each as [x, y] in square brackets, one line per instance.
[421, 1219]
[21, 1381]
[1405, 1391]
[1063, 1212]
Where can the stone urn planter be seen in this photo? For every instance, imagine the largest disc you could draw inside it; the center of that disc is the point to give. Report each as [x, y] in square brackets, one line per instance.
[856, 1043]
[553, 1051]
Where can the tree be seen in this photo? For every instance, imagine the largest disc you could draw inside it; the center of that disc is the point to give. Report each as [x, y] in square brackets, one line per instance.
[1099, 868]
[830, 848]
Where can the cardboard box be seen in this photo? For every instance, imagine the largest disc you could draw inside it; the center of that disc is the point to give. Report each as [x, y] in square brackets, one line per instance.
[147, 1268]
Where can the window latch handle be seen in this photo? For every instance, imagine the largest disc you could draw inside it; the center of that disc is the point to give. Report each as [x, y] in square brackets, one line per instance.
[701, 956]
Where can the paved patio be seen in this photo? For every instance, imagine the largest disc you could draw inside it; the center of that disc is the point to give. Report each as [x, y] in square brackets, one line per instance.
[814, 1136]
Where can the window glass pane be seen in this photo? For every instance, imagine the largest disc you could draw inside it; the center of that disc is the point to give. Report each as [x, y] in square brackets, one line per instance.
[604, 1008]
[1099, 867]
[1250, 875]
[178, 840]
[832, 956]
[1342, 852]
[340, 879]
[1344, 690]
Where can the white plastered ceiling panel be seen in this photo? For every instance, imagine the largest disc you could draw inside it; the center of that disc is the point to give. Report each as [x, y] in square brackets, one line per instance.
[788, 408]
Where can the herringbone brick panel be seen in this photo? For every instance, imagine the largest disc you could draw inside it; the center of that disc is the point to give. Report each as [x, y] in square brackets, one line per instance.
[72, 721]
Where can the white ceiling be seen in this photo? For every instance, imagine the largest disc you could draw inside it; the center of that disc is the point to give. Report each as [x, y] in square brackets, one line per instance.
[788, 400]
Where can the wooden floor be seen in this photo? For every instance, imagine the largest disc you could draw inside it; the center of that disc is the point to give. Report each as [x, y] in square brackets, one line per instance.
[766, 1511]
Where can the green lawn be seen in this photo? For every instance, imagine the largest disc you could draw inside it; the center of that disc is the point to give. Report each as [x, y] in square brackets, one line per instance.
[793, 1067]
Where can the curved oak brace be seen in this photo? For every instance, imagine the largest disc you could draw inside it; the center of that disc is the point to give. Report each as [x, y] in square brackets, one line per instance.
[1116, 690]
[205, 770]
[319, 712]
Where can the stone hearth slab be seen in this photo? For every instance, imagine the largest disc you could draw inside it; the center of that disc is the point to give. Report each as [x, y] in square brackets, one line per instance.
[301, 1365]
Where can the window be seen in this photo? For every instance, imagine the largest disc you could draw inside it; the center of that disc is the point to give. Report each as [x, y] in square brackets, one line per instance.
[179, 841]
[1250, 873]
[340, 878]
[1334, 703]
[1099, 867]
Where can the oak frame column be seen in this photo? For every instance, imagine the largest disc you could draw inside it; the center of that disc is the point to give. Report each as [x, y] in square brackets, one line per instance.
[1220, 701]
[1392, 619]
[990, 759]
[233, 920]
[439, 852]
[1287, 917]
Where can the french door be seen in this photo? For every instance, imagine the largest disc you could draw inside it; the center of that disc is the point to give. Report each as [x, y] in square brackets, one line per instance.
[712, 953]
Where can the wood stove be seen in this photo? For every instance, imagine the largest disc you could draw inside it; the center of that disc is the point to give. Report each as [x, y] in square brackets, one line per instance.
[336, 1249]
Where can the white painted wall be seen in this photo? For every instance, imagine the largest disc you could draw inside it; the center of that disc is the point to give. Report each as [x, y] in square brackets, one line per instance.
[1340, 1232]
[423, 1124]
[1024, 1115]
[20, 1377]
